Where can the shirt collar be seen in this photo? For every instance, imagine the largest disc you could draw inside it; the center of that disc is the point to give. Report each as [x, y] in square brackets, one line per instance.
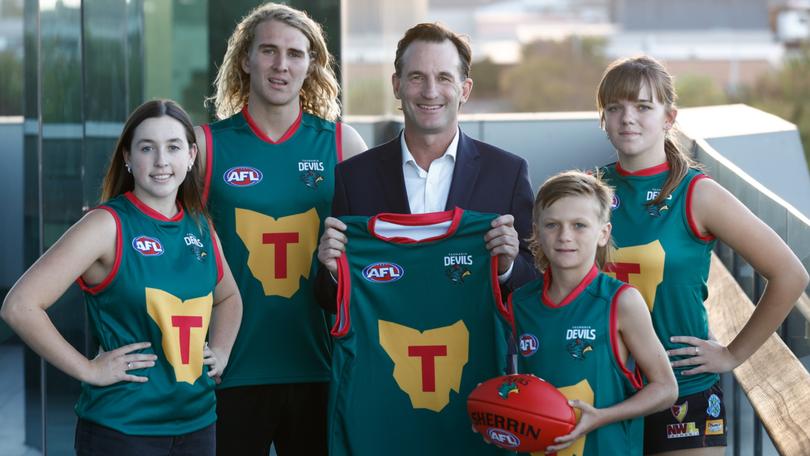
[407, 157]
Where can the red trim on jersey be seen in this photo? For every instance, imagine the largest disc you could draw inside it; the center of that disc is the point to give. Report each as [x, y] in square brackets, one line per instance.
[510, 315]
[217, 253]
[496, 291]
[651, 171]
[633, 377]
[153, 213]
[689, 217]
[258, 131]
[573, 294]
[431, 218]
[343, 318]
[116, 264]
[339, 141]
[209, 162]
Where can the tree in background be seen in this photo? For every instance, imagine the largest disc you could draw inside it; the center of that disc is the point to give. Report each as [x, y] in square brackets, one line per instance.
[556, 76]
[698, 90]
[11, 84]
[11, 65]
[368, 95]
[786, 93]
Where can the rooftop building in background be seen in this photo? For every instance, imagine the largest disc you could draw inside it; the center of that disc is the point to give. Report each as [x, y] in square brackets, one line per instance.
[662, 15]
[730, 42]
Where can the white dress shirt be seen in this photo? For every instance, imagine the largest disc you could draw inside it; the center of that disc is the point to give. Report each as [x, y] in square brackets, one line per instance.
[427, 190]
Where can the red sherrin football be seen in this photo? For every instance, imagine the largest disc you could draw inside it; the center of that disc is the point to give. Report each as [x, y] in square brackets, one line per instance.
[520, 412]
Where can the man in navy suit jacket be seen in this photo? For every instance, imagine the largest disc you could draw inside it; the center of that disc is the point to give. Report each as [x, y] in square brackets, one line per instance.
[432, 165]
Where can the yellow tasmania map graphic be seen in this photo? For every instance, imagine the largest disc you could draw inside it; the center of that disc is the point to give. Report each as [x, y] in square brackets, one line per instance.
[427, 365]
[183, 326]
[583, 392]
[626, 265]
[279, 250]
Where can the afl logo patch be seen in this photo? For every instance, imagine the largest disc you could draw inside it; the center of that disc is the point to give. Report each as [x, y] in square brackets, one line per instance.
[502, 438]
[383, 272]
[614, 204]
[147, 246]
[242, 176]
[528, 344]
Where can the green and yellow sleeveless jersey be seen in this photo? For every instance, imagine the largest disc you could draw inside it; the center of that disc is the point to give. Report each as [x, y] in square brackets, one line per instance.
[160, 290]
[268, 200]
[660, 251]
[573, 345]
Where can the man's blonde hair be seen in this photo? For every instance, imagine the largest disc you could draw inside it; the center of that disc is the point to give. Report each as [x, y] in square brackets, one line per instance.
[319, 94]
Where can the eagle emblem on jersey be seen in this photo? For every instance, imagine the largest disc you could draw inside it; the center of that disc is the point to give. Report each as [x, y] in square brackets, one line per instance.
[657, 210]
[578, 347]
[457, 273]
[311, 172]
[427, 364]
[581, 391]
[279, 249]
[183, 326]
[196, 246]
[642, 266]
[507, 388]
[311, 178]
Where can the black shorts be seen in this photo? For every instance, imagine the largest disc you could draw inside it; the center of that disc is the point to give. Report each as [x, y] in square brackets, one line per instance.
[291, 416]
[695, 421]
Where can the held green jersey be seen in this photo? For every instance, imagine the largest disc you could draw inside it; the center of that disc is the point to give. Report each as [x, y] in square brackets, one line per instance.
[268, 200]
[660, 252]
[573, 345]
[415, 333]
[160, 290]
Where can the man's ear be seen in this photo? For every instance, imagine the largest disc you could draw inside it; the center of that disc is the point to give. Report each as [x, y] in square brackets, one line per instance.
[466, 89]
[395, 81]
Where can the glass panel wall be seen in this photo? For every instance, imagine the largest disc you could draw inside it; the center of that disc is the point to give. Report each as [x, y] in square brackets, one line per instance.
[175, 40]
[83, 66]
[12, 397]
[33, 398]
[60, 167]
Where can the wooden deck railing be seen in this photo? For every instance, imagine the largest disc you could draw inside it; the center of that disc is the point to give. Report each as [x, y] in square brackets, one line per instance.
[774, 380]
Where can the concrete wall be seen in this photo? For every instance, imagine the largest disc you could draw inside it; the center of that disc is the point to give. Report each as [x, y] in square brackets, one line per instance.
[765, 146]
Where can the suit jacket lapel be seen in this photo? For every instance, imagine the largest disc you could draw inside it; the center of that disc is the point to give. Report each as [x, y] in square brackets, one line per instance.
[389, 168]
[465, 173]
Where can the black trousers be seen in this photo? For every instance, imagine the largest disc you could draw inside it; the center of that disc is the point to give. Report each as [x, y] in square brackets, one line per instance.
[292, 416]
[95, 440]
